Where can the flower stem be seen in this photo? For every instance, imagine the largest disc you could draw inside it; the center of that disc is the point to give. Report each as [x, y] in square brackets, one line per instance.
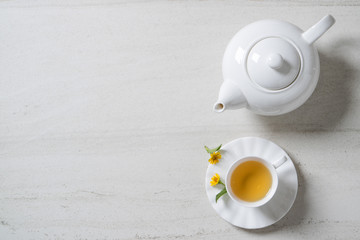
[220, 194]
[220, 182]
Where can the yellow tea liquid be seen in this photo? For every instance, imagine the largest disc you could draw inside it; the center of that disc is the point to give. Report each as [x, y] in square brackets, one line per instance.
[250, 181]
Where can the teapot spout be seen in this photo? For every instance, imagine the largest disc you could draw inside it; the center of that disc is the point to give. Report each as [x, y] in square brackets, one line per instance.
[230, 97]
[316, 31]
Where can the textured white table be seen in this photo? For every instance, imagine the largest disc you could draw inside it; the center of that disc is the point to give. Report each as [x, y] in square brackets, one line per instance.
[105, 107]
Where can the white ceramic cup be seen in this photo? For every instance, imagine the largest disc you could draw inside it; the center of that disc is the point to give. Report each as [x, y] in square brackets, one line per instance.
[274, 175]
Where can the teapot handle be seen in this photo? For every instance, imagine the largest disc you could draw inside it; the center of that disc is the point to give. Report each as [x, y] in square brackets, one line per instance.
[316, 31]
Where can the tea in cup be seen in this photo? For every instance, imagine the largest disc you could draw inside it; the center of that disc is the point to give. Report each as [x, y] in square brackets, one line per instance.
[252, 181]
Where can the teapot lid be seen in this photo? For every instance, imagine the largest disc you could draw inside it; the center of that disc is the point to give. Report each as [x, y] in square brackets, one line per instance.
[273, 63]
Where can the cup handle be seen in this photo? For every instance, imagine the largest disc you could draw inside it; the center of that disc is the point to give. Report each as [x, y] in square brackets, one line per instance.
[279, 162]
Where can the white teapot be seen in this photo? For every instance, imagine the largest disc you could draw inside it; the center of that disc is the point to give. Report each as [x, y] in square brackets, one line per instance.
[271, 67]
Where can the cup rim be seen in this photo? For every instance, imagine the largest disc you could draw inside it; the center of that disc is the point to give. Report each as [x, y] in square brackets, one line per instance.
[269, 194]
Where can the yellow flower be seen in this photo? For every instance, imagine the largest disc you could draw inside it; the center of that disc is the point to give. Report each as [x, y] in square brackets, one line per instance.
[215, 179]
[214, 158]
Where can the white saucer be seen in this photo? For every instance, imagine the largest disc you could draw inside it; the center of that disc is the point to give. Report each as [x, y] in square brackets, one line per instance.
[276, 208]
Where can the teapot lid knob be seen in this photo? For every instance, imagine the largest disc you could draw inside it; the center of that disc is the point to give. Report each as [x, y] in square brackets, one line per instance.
[273, 63]
[275, 60]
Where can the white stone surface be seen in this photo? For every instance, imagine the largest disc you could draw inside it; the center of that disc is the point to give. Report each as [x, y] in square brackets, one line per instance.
[105, 107]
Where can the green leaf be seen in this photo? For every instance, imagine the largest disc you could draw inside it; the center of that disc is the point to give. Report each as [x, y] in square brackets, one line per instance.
[220, 194]
[212, 150]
